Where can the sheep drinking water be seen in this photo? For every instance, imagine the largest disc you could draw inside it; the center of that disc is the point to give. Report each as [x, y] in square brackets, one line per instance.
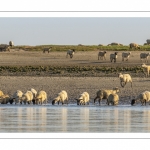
[83, 99]
[62, 97]
[143, 97]
[104, 94]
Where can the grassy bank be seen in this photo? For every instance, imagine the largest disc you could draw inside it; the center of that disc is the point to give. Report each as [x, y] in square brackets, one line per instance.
[82, 48]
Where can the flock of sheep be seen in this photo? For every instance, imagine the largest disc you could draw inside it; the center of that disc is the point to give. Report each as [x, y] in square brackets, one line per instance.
[38, 98]
[102, 55]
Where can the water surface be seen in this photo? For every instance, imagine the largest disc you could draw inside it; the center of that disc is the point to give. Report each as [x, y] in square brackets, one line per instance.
[72, 118]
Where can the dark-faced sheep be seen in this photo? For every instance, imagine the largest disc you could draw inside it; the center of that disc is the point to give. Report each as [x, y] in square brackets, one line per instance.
[103, 94]
[83, 99]
[113, 57]
[125, 56]
[144, 56]
[102, 55]
[47, 49]
[70, 53]
[142, 97]
[62, 97]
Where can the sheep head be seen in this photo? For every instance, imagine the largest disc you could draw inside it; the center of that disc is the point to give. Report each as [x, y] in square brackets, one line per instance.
[120, 75]
[133, 102]
[11, 100]
[116, 89]
[79, 101]
[53, 102]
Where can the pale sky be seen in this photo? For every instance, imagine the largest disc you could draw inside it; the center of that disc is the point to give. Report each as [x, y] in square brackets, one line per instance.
[74, 31]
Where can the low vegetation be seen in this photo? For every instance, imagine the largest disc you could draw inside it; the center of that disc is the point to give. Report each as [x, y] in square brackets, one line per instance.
[69, 70]
[82, 48]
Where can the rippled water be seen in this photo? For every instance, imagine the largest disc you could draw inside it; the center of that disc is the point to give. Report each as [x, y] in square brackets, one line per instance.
[74, 118]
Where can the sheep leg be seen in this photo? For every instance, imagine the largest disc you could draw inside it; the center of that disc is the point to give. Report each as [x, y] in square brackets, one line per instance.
[99, 101]
[95, 99]
[28, 102]
[121, 83]
[131, 83]
[58, 102]
[62, 103]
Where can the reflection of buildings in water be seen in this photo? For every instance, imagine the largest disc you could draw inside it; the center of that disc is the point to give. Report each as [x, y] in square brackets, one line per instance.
[64, 119]
[84, 117]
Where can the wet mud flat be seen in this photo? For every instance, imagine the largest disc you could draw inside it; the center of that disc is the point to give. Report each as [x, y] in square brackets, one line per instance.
[75, 119]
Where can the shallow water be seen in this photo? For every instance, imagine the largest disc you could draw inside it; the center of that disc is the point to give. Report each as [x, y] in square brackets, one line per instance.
[72, 118]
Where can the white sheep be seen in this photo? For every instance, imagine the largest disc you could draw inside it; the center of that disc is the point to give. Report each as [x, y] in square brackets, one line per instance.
[4, 99]
[103, 94]
[1, 93]
[62, 97]
[83, 99]
[144, 56]
[47, 49]
[113, 99]
[147, 69]
[125, 56]
[113, 57]
[34, 94]
[124, 78]
[41, 97]
[70, 53]
[27, 97]
[17, 97]
[102, 55]
[143, 97]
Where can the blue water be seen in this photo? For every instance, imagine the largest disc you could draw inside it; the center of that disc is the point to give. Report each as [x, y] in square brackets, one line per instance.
[73, 118]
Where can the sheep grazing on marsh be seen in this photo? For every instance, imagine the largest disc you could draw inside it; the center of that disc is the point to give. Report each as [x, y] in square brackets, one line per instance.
[4, 99]
[144, 56]
[113, 57]
[143, 97]
[70, 53]
[47, 49]
[41, 97]
[134, 45]
[17, 97]
[125, 56]
[104, 94]
[27, 97]
[124, 78]
[102, 55]
[83, 99]
[113, 99]
[62, 97]
[147, 69]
